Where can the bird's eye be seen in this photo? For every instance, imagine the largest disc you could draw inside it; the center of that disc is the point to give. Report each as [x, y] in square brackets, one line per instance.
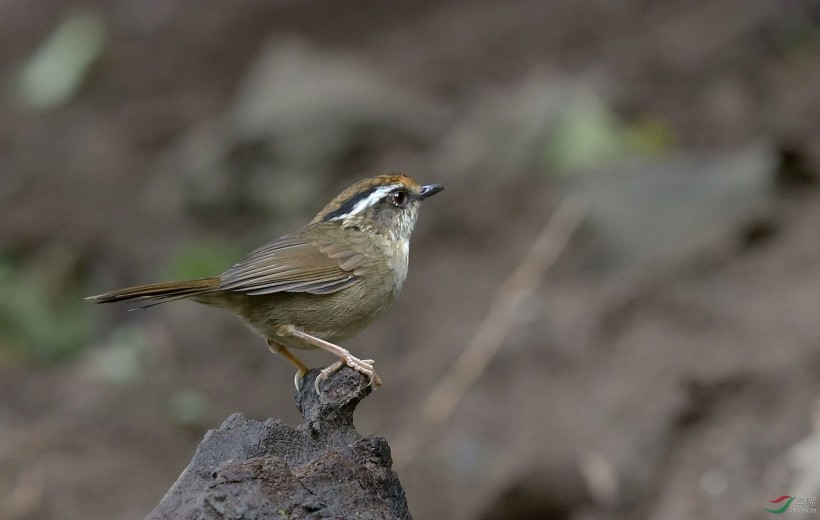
[398, 198]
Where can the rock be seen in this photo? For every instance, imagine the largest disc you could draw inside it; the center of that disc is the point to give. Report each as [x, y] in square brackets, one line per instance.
[321, 469]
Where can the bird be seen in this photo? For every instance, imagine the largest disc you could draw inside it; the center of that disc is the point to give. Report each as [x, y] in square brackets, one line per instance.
[319, 285]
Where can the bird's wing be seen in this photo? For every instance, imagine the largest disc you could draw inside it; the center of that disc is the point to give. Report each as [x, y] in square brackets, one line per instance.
[294, 263]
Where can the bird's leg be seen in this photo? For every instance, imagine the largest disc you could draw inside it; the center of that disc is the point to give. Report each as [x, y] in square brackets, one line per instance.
[364, 366]
[278, 348]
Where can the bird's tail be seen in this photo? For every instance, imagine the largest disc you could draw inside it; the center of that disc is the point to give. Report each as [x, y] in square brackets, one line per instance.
[157, 293]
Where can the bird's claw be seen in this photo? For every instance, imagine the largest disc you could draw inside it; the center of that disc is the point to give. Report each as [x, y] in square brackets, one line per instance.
[298, 378]
[363, 366]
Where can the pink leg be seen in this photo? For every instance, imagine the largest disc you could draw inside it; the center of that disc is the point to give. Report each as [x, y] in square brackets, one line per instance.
[345, 358]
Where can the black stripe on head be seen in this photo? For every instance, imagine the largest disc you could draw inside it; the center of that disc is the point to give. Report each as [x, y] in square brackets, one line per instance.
[348, 205]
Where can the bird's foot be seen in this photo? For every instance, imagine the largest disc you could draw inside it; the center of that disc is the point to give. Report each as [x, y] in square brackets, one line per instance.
[363, 366]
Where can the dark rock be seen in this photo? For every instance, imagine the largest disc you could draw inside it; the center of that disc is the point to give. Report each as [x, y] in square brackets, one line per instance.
[322, 469]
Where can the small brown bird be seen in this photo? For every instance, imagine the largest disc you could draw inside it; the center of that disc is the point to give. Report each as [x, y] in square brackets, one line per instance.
[321, 284]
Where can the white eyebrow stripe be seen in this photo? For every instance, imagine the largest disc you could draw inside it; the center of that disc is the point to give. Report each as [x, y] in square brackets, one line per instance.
[377, 195]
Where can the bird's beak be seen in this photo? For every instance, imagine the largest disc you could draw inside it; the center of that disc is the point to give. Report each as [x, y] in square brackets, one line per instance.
[428, 190]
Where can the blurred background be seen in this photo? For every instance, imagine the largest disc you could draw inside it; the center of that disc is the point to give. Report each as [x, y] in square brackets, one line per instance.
[666, 366]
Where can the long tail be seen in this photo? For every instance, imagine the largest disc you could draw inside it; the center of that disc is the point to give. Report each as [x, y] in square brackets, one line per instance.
[157, 293]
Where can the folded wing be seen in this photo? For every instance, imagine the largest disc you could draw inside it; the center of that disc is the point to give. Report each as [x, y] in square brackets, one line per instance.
[294, 264]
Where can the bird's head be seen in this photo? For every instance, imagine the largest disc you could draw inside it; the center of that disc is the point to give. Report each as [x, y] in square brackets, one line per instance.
[386, 205]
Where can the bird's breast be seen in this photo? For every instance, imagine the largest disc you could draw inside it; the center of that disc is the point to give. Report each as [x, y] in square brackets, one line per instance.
[398, 264]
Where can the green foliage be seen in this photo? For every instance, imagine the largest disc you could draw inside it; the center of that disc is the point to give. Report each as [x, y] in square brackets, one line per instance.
[200, 259]
[56, 71]
[42, 313]
[589, 134]
[649, 136]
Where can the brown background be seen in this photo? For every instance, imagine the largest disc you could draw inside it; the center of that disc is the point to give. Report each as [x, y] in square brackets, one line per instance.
[666, 368]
